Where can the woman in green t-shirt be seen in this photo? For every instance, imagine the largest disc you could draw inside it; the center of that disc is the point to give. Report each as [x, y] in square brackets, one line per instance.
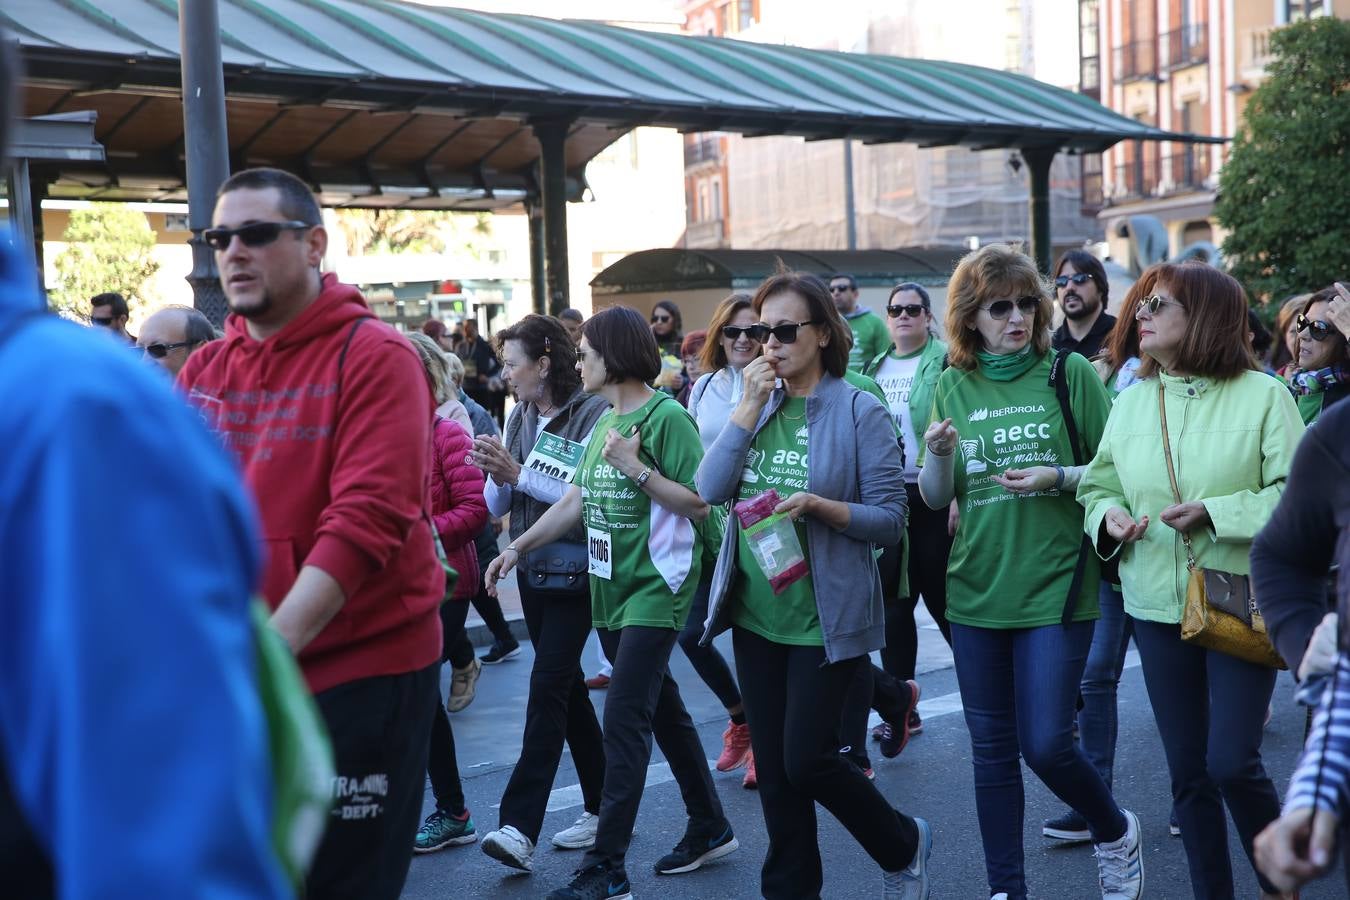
[633, 493]
[1020, 632]
[829, 452]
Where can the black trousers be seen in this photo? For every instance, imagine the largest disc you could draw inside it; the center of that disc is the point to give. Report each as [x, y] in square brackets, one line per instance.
[442, 763]
[379, 729]
[644, 701]
[487, 605]
[872, 688]
[792, 698]
[707, 661]
[1210, 708]
[559, 709]
[929, 548]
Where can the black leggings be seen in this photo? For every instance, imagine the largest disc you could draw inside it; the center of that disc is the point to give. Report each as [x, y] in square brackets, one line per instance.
[442, 763]
[929, 548]
[710, 665]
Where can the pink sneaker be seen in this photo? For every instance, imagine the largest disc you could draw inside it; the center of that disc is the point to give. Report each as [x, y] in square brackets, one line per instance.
[735, 747]
[750, 782]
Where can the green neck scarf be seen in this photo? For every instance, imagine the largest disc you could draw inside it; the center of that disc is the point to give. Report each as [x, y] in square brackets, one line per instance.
[1006, 366]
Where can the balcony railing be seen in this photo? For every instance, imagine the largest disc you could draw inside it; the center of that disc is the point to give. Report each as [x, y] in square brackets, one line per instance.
[1187, 46]
[1135, 60]
[708, 149]
[1254, 50]
[1149, 176]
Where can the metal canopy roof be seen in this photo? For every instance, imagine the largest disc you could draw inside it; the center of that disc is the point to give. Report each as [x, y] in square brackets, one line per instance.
[678, 269]
[384, 103]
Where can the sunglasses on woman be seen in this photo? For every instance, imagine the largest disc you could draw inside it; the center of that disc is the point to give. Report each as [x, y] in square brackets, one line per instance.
[259, 234]
[913, 310]
[1152, 303]
[784, 334]
[1317, 329]
[1001, 309]
[1080, 278]
[736, 332]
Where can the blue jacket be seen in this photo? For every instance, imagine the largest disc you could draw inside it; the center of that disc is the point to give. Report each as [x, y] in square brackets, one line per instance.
[133, 745]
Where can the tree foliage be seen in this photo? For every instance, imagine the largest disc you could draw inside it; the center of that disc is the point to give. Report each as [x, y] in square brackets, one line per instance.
[372, 232]
[1284, 194]
[110, 248]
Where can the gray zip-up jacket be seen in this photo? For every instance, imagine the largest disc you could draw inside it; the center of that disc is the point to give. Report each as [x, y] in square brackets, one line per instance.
[852, 456]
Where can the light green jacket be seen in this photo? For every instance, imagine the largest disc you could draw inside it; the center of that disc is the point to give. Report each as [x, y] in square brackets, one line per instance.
[1232, 443]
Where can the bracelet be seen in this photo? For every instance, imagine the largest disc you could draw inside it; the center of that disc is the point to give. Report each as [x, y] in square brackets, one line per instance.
[1059, 478]
[513, 548]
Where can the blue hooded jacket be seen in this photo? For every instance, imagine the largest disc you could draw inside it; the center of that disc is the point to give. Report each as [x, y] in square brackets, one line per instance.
[133, 745]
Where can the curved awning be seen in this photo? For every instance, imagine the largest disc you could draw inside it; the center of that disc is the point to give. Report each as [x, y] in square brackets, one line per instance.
[394, 103]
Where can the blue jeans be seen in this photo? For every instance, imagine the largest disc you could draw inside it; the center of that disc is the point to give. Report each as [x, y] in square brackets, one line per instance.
[1097, 720]
[1019, 688]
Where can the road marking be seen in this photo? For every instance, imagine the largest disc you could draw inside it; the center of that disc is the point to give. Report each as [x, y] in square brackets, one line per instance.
[659, 773]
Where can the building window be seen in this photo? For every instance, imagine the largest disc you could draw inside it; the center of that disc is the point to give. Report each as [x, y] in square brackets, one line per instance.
[747, 14]
[702, 202]
[716, 198]
[1301, 10]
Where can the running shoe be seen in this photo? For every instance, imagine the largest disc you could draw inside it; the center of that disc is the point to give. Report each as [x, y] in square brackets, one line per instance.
[444, 830]
[597, 682]
[879, 731]
[1173, 828]
[510, 848]
[735, 747]
[915, 723]
[500, 652]
[580, 835]
[751, 781]
[1120, 864]
[463, 686]
[697, 847]
[870, 773]
[1069, 827]
[911, 882]
[597, 882]
[894, 743]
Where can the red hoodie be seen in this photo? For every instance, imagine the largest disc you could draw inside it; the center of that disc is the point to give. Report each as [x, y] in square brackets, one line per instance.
[340, 474]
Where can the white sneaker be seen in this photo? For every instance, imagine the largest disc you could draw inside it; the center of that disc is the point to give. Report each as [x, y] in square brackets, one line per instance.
[1001, 895]
[509, 847]
[580, 835]
[1120, 864]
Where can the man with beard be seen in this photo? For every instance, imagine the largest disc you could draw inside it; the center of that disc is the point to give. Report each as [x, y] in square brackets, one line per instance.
[1082, 289]
[329, 413]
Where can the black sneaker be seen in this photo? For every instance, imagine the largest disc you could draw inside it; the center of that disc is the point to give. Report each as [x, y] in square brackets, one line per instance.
[1069, 827]
[1172, 827]
[597, 882]
[500, 652]
[696, 848]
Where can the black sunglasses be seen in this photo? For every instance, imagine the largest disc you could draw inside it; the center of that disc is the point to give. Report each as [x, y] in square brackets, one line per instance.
[1001, 309]
[840, 288]
[784, 334]
[102, 323]
[1080, 278]
[662, 319]
[913, 310]
[259, 234]
[1317, 329]
[159, 351]
[734, 332]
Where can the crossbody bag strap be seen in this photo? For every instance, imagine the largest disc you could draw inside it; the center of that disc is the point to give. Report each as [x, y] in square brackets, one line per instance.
[1059, 380]
[1171, 469]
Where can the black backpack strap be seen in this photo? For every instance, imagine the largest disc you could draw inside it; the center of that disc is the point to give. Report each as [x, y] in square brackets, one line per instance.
[346, 345]
[1059, 380]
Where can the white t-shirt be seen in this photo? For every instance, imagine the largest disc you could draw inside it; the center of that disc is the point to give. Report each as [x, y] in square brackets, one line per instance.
[896, 378]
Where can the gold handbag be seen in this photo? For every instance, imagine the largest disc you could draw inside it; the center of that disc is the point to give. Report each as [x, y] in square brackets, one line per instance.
[1220, 611]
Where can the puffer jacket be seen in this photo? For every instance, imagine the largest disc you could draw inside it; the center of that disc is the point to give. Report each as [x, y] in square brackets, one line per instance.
[457, 505]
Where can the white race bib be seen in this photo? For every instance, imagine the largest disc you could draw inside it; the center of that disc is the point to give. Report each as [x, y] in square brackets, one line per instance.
[555, 456]
[600, 552]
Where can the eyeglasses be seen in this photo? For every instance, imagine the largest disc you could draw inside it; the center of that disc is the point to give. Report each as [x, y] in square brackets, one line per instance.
[1080, 278]
[840, 288]
[913, 310]
[1317, 329]
[102, 323]
[736, 332]
[1001, 309]
[662, 319]
[159, 351]
[784, 334]
[259, 234]
[1153, 303]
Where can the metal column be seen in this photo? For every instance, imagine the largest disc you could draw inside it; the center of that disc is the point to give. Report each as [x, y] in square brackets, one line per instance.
[1038, 161]
[850, 207]
[534, 212]
[552, 137]
[206, 143]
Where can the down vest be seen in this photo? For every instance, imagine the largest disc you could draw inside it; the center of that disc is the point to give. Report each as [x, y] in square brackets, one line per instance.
[457, 505]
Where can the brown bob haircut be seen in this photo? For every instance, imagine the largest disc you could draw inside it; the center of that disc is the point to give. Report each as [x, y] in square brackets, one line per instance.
[714, 355]
[1326, 295]
[624, 341]
[1122, 341]
[993, 272]
[820, 310]
[541, 336]
[1217, 343]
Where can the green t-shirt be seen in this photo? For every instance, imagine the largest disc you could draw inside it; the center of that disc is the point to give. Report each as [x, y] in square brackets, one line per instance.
[869, 337]
[777, 459]
[1013, 559]
[645, 561]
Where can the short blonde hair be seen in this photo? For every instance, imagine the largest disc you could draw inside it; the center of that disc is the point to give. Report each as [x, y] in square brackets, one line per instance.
[454, 367]
[993, 272]
[433, 362]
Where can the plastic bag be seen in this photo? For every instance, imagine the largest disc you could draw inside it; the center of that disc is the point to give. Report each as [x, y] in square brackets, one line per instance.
[773, 540]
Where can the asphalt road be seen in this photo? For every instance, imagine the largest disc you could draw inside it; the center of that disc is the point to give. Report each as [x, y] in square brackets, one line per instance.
[932, 779]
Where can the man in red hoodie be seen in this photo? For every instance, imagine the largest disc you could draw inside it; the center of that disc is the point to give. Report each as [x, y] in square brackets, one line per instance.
[329, 413]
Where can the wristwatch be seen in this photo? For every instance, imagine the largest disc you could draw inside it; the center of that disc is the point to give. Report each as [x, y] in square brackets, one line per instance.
[642, 478]
[1059, 478]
